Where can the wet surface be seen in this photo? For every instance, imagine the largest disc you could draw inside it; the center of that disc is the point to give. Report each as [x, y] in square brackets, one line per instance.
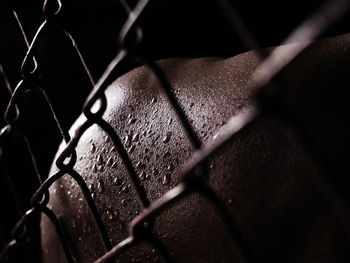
[263, 175]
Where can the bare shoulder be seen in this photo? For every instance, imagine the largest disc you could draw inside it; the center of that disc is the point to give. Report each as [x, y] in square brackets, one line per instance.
[332, 51]
[264, 176]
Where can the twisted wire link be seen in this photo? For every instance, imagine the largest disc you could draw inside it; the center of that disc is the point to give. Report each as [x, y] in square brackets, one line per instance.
[272, 64]
[5, 80]
[49, 22]
[264, 76]
[60, 232]
[327, 14]
[29, 74]
[26, 71]
[142, 225]
[97, 95]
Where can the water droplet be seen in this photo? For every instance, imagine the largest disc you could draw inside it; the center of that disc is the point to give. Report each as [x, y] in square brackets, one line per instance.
[131, 149]
[153, 100]
[90, 186]
[148, 176]
[170, 121]
[68, 192]
[140, 165]
[166, 138]
[126, 189]
[100, 168]
[127, 141]
[166, 179]
[100, 186]
[79, 238]
[124, 202]
[135, 138]
[109, 161]
[109, 214]
[230, 201]
[170, 167]
[93, 148]
[94, 168]
[155, 172]
[61, 186]
[74, 225]
[142, 175]
[114, 165]
[93, 195]
[106, 138]
[118, 181]
[132, 121]
[99, 159]
[112, 149]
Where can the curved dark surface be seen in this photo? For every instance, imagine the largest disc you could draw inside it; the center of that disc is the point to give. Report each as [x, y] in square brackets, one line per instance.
[268, 180]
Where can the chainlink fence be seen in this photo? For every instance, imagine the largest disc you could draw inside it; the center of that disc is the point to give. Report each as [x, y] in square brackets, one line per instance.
[17, 148]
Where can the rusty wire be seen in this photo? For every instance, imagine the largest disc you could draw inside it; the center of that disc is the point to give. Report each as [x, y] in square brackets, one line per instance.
[141, 227]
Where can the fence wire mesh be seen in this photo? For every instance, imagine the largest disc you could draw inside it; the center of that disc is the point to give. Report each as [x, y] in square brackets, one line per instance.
[24, 234]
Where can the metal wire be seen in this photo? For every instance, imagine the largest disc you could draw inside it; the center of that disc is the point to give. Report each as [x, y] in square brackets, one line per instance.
[141, 227]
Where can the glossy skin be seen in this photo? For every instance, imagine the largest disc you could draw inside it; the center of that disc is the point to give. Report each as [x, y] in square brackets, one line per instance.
[268, 181]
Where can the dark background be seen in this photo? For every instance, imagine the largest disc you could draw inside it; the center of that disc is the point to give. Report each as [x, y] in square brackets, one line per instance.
[173, 28]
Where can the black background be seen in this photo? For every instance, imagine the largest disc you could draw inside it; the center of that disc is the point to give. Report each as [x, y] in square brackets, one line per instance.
[173, 28]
